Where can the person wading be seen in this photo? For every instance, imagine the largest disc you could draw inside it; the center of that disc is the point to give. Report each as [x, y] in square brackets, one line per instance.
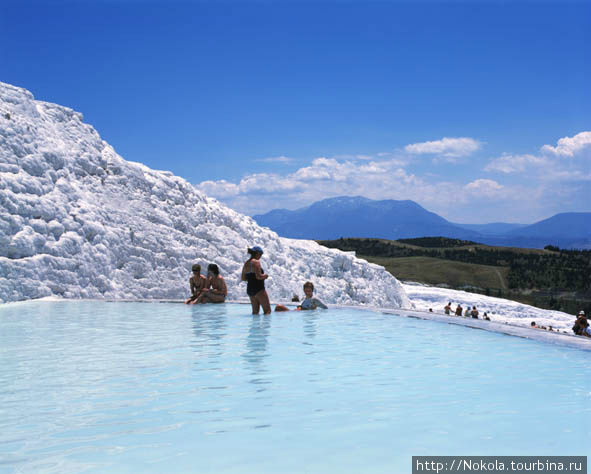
[255, 277]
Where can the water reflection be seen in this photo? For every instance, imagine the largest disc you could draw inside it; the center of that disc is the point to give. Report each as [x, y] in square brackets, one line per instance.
[256, 346]
[210, 328]
[310, 318]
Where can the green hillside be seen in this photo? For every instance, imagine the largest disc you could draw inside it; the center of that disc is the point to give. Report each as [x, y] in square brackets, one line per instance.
[435, 271]
[550, 278]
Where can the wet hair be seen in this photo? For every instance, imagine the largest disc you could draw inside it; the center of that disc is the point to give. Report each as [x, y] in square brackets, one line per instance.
[309, 284]
[533, 323]
[196, 268]
[213, 268]
[295, 298]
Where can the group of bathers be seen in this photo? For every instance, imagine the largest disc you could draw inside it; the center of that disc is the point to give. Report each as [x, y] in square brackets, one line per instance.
[212, 289]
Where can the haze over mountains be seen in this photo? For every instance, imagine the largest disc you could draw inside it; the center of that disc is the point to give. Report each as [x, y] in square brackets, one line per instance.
[389, 219]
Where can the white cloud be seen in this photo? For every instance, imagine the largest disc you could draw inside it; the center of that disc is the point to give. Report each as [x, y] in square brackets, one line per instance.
[565, 162]
[531, 185]
[447, 147]
[569, 146]
[376, 179]
[276, 159]
[220, 189]
[324, 177]
[515, 163]
[485, 187]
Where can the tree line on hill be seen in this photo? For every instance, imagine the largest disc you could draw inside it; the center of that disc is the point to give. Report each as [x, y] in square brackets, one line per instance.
[552, 278]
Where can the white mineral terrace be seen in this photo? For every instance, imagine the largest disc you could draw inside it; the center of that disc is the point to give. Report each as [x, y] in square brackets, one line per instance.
[78, 221]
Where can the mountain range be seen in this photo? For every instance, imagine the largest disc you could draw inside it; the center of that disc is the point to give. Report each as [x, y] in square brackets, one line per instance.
[390, 219]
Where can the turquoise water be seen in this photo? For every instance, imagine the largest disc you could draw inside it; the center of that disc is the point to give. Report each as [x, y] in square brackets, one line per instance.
[140, 387]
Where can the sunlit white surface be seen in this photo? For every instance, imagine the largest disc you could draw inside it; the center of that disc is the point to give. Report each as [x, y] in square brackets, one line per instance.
[79, 221]
[500, 310]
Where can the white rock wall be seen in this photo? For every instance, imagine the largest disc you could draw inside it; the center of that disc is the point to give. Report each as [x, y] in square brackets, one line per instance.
[78, 221]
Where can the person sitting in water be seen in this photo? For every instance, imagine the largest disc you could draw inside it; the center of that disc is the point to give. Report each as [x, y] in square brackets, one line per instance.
[585, 329]
[309, 301]
[459, 310]
[474, 312]
[196, 283]
[533, 325]
[281, 307]
[447, 308]
[577, 328]
[215, 290]
[485, 317]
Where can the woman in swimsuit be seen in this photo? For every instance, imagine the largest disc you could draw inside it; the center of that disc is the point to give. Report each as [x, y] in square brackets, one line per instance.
[255, 276]
[215, 290]
[196, 283]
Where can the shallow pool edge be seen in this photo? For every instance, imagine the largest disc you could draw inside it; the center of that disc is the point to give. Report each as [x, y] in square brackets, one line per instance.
[540, 335]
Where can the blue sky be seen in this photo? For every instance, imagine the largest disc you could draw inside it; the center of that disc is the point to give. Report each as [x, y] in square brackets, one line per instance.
[459, 106]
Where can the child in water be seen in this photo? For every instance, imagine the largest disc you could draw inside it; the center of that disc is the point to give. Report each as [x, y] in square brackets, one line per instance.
[309, 301]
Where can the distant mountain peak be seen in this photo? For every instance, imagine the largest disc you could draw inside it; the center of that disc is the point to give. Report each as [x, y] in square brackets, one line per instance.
[345, 199]
[341, 200]
[358, 216]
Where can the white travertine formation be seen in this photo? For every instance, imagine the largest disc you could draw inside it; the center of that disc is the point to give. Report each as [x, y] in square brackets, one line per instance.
[500, 310]
[78, 221]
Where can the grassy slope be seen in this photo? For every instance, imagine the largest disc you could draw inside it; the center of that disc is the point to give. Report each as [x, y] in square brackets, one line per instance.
[435, 271]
